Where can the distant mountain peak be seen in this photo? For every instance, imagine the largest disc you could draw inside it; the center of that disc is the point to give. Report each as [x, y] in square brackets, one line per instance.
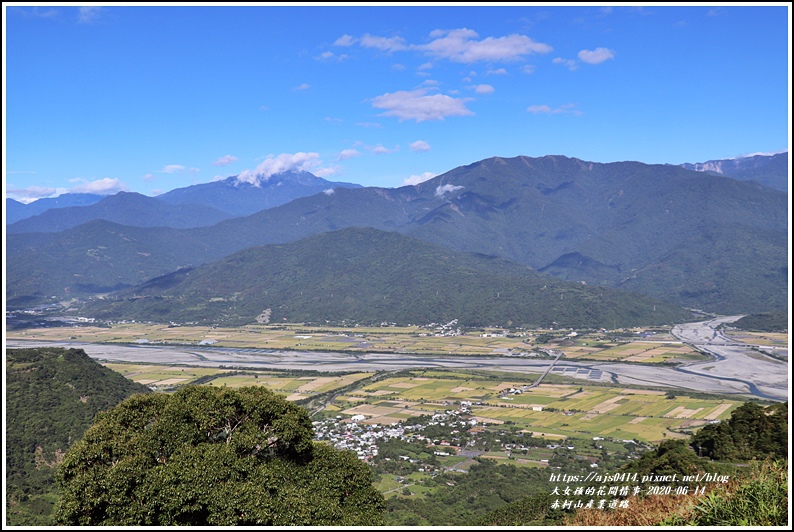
[769, 169]
[258, 179]
[250, 192]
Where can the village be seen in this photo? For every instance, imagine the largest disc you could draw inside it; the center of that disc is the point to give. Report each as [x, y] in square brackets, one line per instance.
[451, 440]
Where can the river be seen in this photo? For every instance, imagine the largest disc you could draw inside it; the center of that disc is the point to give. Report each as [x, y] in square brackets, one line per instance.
[737, 369]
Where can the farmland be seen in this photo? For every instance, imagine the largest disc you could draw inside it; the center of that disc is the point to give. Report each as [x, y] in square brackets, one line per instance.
[554, 411]
[601, 346]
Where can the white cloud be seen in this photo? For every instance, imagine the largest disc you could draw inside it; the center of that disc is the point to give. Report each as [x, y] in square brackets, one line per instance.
[326, 171]
[460, 46]
[497, 72]
[570, 63]
[421, 178]
[87, 15]
[148, 177]
[30, 194]
[764, 153]
[380, 149]
[281, 163]
[226, 159]
[419, 145]
[100, 186]
[448, 188]
[425, 66]
[328, 192]
[568, 108]
[594, 57]
[539, 109]
[330, 56]
[418, 105]
[345, 40]
[528, 69]
[172, 168]
[35, 12]
[483, 89]
[105, 186]
[386, 44]
[302, 87]
[399, 67]
[369, 125]
[348, 154]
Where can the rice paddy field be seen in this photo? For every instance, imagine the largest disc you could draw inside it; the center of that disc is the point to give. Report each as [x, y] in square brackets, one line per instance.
[295, 387]
[549, 410]
[554, 411]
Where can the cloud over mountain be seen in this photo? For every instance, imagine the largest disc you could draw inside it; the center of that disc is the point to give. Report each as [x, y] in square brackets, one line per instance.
[278, 164]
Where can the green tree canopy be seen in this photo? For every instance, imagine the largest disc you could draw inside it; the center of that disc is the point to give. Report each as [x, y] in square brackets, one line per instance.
[752, 432]
[212, 456]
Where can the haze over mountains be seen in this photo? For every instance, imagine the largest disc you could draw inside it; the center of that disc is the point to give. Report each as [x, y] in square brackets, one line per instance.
[127, 208]
[689, 238]
[16, 210]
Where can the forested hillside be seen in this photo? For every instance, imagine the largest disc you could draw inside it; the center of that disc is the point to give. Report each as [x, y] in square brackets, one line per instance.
[52, 396]
[366, 276]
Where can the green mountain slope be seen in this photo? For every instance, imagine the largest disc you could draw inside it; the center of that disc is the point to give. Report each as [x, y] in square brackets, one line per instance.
[367, 276]
[52, 396]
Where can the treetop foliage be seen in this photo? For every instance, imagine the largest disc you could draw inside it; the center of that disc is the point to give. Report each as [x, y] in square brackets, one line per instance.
[209, 456]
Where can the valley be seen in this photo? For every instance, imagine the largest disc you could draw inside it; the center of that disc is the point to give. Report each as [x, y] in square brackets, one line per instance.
[697, 362]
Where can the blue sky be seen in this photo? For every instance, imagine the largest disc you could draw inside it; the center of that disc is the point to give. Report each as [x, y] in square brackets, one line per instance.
[151, 98]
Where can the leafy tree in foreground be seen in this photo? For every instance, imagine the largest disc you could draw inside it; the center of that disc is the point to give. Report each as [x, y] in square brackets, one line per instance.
[752, 432]
[209, 456]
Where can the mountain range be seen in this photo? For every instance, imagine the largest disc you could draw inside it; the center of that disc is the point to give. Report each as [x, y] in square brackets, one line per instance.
[16, 210]
[192, 206]
[126, 208]
[689, 238]
[241, 197]
[367, 276]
